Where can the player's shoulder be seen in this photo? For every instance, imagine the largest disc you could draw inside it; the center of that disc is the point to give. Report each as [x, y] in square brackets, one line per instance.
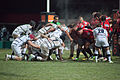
[25, 25]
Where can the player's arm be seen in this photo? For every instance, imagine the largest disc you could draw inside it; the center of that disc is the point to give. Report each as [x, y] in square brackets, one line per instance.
[69, 36]
[49, 24]
[44, 36]
[94, 34]
[106, 34]
[33, 45]
[65, 32]
[50, 30]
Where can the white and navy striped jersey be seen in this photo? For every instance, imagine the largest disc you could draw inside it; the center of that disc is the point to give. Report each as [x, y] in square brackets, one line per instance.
[23, 29]
[56, 33]
[20, 40]
[54, 42]
[65, 28]
[100, 32]
[44, 30]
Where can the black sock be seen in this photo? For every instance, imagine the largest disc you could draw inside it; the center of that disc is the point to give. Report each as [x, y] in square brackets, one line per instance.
[89, 52]
[83, 51]
[78, 53]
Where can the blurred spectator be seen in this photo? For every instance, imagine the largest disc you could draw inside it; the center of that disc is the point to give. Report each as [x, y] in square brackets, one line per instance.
[55, 21]
[4, 34]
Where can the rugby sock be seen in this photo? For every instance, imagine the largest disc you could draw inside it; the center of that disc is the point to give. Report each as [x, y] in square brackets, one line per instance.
[24, 50]
[56, 51]
[83, 51]
[103, 50]
[39, 58]
[13, 53]
[89, 52]
[100, 55]
[109, 56]
[11, 56]
[96, 55]
[78, 53]
[62, 51]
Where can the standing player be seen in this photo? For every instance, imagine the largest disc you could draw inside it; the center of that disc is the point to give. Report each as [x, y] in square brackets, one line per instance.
[101, 40]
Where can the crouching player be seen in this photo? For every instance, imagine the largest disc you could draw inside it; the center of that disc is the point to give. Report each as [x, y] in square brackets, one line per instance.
[17, 47]
[46, 44]
[101, 40]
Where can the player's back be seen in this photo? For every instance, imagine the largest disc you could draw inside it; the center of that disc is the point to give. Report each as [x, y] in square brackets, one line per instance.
[100, 32]
[20, 40]
[22, 28]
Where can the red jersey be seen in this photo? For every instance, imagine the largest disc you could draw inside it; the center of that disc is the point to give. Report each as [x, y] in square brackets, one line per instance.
[108, 18]
[94, 22]
[118, 25]
[88, 34]
[106, 25]
[83, 24]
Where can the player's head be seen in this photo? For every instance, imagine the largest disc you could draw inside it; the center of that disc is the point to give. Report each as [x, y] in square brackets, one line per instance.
[32, 23]
[98, 25]
[56, 18]
[31, 36]
[79, 31]
[103, 18]
[97, 15]
[80, 19]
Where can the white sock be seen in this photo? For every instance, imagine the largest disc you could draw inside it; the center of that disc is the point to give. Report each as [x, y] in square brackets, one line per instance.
[56, 51]
[11, 56]
[33, 55]
[24, 50]
[109, 57]
[39, 58]
[96, 57]
[62, 50]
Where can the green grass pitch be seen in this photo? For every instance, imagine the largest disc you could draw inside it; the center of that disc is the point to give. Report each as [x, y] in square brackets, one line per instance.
[57, 70]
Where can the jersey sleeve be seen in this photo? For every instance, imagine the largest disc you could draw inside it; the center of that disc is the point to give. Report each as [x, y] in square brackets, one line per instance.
[94, 32]
[54, 26]
[106, 33]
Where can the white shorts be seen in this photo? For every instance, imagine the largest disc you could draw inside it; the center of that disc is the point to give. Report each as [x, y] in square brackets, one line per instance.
[17, 50]
[101, 42]
[42, 51]
[15, 35]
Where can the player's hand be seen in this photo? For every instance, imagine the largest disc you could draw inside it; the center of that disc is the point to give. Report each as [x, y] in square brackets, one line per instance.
[49, 39]
[71, 40]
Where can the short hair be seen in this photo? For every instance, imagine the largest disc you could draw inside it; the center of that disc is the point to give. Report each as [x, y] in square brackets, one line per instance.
[32, 23]
[97, 14]
[56, 16]
[103, 18]
[98, 25]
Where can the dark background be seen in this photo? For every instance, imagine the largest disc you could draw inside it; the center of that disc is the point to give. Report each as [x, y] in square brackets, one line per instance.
[22, 11]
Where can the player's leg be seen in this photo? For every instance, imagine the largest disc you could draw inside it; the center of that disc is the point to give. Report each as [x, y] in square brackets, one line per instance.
[71, 50]
[50, 53]
[60, 55]
[96, 54]
[18, 54]
[87, 44]
[108, 55]
[106, 45]
[36, 57]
